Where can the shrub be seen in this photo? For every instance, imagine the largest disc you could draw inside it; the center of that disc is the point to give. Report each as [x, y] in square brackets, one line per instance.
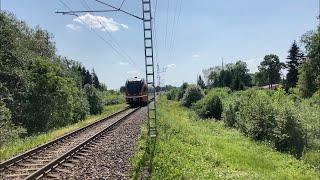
[181, 91]
[256, 117]
[290, 134]
[172, 94]
[94, 98]
[230, 114]
[193, 94]
[209, 107]
[81, 105]
[7, 130]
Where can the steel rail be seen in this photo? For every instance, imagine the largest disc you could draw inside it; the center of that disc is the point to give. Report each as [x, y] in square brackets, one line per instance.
[53, 164]
[36, 150]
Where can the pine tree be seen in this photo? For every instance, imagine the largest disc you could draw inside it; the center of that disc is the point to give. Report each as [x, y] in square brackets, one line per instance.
[295, 59]
[201, 83]
[88, 78]
[83, 75]
[95, 80]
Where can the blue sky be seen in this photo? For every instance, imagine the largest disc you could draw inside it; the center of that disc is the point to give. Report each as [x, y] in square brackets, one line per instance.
[188, 40]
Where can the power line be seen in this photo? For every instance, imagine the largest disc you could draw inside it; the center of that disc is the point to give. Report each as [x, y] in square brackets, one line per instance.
[155, 30]
[92, 30]
[175, 23]
[118, 9]
[165, 38]
[113, 39]
[172, 30]
[122, 4]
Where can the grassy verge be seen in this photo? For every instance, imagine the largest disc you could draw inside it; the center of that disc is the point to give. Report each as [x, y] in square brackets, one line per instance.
[189, 148]
[24, 144]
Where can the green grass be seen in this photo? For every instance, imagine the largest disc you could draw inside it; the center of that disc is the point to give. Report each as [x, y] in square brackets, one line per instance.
[20, 145]
[189, 148]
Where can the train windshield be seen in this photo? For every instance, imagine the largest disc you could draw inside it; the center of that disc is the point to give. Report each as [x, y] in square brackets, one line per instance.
[134, 87]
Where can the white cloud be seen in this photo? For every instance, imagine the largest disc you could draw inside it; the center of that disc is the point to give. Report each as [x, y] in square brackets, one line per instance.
[196, 56]
[73, 27]
[170, 66]
[125, 26]
[100, 22]
[123, 63]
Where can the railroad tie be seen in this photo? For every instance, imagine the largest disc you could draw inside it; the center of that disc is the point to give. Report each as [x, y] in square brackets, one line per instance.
[62, 170]
[16, 175]
[28, 165]
[53, 176]
[68, 165]
[24, 169]
[73, 161]
[83, 154]
[79, 157]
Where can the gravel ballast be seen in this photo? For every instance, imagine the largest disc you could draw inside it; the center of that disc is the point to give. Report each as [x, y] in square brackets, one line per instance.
[109, 157]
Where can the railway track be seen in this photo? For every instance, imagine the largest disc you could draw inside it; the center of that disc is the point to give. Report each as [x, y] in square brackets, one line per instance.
[41, 160]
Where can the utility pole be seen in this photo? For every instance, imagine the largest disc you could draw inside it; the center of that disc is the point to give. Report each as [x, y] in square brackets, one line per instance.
[159, 71]
[158, 75]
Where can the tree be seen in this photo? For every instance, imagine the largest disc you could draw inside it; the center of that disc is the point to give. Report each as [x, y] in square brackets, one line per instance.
[295, 59]
[122, 89]
[88, 78]
[95, 80]
[270, 67]
[201, 83]
[235, 76]
[260, 79]
[309, 74]
[241, 77]
[95, 99]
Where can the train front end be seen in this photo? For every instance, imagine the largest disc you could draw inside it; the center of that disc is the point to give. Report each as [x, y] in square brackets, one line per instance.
[136, 92]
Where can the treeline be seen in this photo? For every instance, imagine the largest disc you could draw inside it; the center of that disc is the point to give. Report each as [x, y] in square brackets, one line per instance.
[288, 119]
[40, 90]
[303, 70]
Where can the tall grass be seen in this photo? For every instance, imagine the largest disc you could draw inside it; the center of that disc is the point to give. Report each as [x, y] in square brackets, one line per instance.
[190, 148]
[23, 144]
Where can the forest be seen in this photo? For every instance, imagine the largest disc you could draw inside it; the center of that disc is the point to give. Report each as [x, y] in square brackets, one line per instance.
[39, 89]
[282, 111]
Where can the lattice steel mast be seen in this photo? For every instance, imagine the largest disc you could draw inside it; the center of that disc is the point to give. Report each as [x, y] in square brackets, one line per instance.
[149, 63]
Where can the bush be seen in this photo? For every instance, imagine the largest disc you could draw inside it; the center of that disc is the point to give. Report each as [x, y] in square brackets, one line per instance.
[230, 111]
[81, 105]
[290, 134]
[172, 94]
[181, 91]
[256, 117]
[7, 130]
[192, 95]
[94, 98]
[209, 107]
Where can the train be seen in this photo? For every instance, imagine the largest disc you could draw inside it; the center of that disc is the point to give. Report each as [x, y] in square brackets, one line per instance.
[136, 92]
